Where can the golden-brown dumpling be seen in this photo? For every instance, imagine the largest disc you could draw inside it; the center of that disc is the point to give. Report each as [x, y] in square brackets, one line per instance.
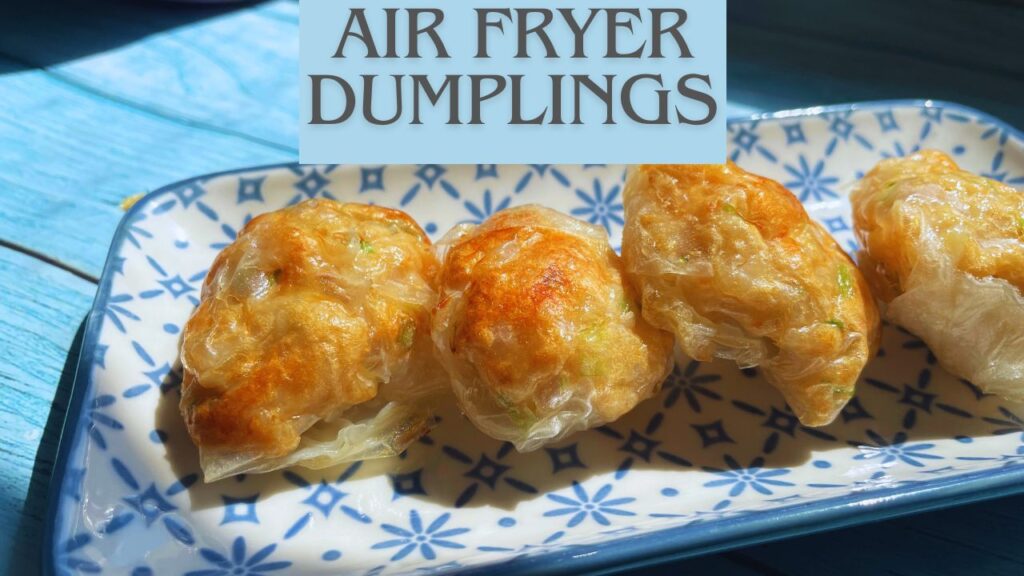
[732, 264]
[311, 344]
[539, 330]
[944, 249]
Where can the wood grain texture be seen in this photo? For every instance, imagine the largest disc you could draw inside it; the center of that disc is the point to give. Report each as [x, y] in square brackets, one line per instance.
[234, 72]
[70, 156]
[41, 308]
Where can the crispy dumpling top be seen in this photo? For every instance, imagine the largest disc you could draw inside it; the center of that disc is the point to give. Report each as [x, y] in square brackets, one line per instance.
[910, 208]
[733, 265]
[314, 312]
[944, 248]
[540, 331]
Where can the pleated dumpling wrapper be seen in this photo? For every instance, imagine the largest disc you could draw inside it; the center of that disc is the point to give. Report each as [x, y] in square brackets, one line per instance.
[539, 329]
[944, 251]
[731, 263]
[311, 344]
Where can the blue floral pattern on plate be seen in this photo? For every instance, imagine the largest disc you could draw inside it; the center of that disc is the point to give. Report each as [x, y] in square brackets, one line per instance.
[717, 448]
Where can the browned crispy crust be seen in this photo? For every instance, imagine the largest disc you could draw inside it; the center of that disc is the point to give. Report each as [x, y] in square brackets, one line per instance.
[540, 328]
[733, 265]
[978, 219]
[294, 326]
[944, 249]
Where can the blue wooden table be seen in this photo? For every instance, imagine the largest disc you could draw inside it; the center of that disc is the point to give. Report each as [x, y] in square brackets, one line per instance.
[102, 100]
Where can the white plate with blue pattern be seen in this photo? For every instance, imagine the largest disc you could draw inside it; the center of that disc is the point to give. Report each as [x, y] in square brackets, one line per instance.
[716, 460]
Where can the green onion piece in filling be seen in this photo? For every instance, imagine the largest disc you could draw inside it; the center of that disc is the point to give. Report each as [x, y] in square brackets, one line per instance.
[836, 322]
[406, 336]
[845, 280]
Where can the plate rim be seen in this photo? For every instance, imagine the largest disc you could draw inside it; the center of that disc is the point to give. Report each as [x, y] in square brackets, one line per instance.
[638, 551]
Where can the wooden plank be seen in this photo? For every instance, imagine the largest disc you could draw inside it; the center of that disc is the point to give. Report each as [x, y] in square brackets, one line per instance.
[236, 71]
[70, 157]
[41, 307]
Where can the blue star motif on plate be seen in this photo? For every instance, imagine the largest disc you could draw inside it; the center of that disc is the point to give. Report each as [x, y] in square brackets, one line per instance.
[486, 471]
[240, 509]
[371, 178]
[1010, 423]
[898, 151]
[189, 194]
[599, 208]
[887, 121]
[854, 410]
[541, 170]
[745, 139]
[312, 184]
[810, 182]
[176, 286]
[163, 377]
[917, 398]
[843, 130]
[150, 504]
[237, 564]
[896, 450]
[429, 174]
[713, 433]
[115, 311]
[794, 134]
[836, 224]
[840, 126]
[486, 171]
[96, 421]
[686, 382]
[486, 209]
[133, 231]
[581, 506]
[250, 189]
[75, 563]
[417, 537]
[996, 172]
[564, 458]
[1000, 134]
[230, 234]
[407, 484]
[641, 445]
[324, 498]
[754, 476]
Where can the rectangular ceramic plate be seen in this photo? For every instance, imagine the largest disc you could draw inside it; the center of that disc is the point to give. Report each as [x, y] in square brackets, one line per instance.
[715, 461]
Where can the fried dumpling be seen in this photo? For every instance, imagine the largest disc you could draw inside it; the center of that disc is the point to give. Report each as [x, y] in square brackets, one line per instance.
[539, 329]
[311, 344]
[944, 251]
[731, 263]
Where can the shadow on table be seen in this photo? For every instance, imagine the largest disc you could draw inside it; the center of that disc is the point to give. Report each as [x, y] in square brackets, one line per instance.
[32, 521]
[48, 32]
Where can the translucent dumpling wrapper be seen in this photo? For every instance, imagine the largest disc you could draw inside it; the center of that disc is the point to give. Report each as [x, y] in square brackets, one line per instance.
[944, 251]
[539, 330]
[311, 344]
[731, 263]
